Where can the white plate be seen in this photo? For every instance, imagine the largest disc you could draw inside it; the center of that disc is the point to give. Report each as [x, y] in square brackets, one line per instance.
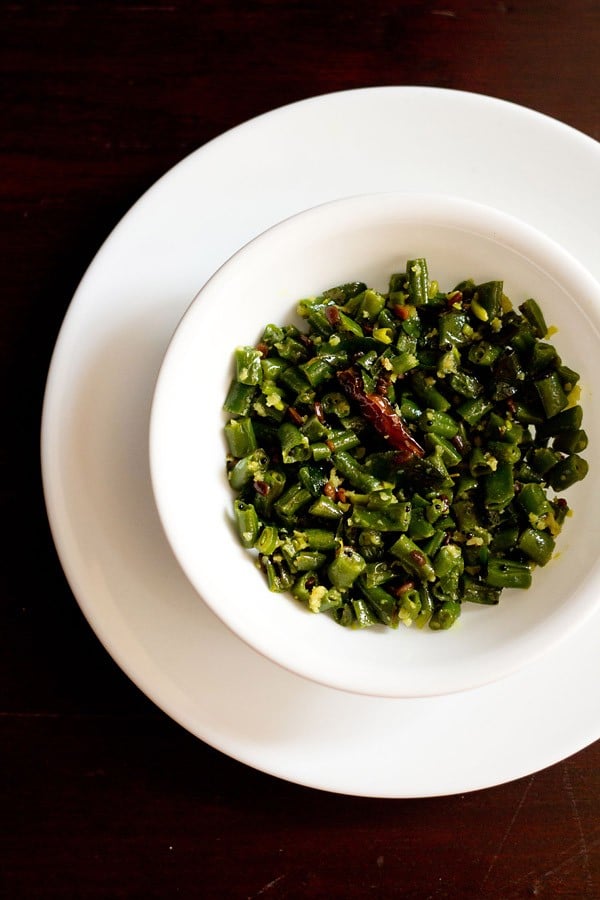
[95, 437]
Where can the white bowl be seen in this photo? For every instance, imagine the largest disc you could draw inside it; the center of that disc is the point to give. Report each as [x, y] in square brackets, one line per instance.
[367, 238]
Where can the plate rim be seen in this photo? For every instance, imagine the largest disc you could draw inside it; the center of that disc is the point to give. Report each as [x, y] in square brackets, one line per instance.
[46, 448]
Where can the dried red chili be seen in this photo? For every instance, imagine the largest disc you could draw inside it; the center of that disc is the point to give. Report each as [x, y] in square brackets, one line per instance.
[382, 416]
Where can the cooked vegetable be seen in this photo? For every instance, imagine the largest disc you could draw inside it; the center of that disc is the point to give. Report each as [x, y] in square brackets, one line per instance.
[396, 460]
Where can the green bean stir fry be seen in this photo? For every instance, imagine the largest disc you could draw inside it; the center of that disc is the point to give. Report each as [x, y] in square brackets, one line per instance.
[402, 455]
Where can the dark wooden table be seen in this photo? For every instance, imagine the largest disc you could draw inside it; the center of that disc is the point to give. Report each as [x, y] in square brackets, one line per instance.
[101, 794]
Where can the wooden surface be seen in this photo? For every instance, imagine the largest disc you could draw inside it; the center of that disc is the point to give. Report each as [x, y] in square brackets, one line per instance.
[100, 794]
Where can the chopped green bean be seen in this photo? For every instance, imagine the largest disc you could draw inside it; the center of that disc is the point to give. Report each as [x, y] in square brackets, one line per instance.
[312, 478]
[439, 423]
[320, 539]
[551, 394]
[479, 592]
[396, 459]
[474, 410]
[268, 489]
[240, 435]
[342, 439]
[326, 508]
[499, 488]
[292, 501]
[345, 568]
[570, 441]
[279, 577]
[507, 573]
[307, 561]
[413, 558]
[382, 602]
[570, 419]
[395, 518]
[445, 615]
[356, 474]
[294, 445]
[417, 281]
[247, 365]
[268, 540]
[534, 315]
[238, 399]
[317, 370]
[248, 468]
[567, 472]
[537, 545]
[247, 522]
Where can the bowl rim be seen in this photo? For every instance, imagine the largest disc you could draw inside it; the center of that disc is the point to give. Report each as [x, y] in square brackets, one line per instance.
[435, 209]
